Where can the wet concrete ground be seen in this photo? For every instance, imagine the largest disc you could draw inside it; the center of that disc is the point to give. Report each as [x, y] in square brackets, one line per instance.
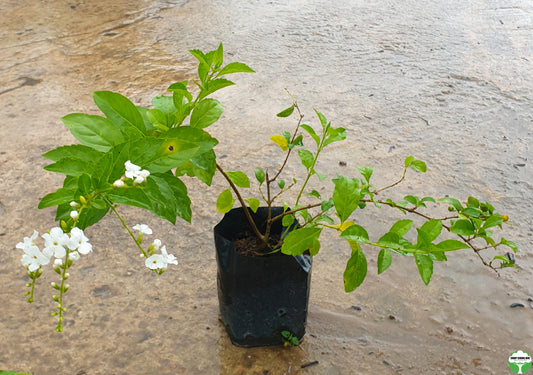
[449, 82]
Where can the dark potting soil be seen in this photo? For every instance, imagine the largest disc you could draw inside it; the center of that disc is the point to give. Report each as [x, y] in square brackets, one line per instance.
[250, 245]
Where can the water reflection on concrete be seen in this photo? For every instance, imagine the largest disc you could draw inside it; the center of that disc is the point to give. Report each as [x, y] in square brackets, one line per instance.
[449, 82]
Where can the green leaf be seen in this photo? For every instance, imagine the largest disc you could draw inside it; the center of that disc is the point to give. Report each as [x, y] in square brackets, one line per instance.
[214, 85]
[202, 166]
[335, 135]
[355, 233]
[356, 268]
[311, 132]
[218, 56]
[384, 260]
[306, 157]
[419, 166]
[389, 239]
[463, 228]
[451, 245]
[281, 184]
[300, 240]
[322, 119]
[225, 201]
[235, 67]
[366, 172]
[408, 161]
[259, 175]
[168, 195]
[253, 203]
[205, 113]
[239, 179]
[425, 266]
[412, 199]
[493, 221]
[60, 196]
[93, 131]
[472, 202]
[122, 112]
[286, 112]
[452, 201]
[345, 196]
[432, 228]
[70, 166]
[82, 152]
[402, 227]
[132, 197]
[510, 244]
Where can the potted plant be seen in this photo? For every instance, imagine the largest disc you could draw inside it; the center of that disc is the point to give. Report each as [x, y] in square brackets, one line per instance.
[135, 156]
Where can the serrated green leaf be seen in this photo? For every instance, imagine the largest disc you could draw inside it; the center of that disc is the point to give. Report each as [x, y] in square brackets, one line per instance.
[93, 131]
[218, 56]
[286, 112]
[239, 178]
[70, 166]
[130, 197]
[322, 118]
[168, 195]
[510, 244]
[202, 166]
[384, 260]
[225, 201]
[206, 113]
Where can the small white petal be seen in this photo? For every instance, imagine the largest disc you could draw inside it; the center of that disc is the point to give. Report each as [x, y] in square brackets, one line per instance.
[118, 183]
[74, 214]
[74, 204]
[139, 180]
[143, 228]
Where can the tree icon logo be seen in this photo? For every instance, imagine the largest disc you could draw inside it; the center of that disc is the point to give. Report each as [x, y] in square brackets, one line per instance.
[519, 362]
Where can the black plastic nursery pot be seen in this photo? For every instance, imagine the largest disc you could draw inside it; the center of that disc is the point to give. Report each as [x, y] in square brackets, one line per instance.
[259, 296]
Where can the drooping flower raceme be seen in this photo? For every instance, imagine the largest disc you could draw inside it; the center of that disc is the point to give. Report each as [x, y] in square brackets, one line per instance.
[79, 242]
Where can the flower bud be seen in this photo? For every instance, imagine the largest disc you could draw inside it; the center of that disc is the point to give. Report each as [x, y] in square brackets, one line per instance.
[55, 298]
[83, 200]
[74, 214]
[74, 204]
[119, 183]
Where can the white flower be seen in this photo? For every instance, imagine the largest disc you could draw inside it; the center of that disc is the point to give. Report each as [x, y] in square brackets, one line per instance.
[160, 261]
[118, 183]
[79, 242]
[73, 255]
[143, 228]
[74, 204]
[132, 170]
[135, 172]
[58, 262]
[55, 242]
[171, 259]
[156, 261]
[32, 258]
[74, 214]
[28, 241]
[156, 244]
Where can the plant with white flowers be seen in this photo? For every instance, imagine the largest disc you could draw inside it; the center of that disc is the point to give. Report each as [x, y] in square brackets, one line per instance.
[135, 156]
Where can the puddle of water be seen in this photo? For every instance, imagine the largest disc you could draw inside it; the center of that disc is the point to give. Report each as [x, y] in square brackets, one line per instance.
[449, 84]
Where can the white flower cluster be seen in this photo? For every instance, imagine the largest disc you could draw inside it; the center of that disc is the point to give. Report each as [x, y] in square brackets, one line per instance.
[55, 244]
[156, 261]
[133, 172]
